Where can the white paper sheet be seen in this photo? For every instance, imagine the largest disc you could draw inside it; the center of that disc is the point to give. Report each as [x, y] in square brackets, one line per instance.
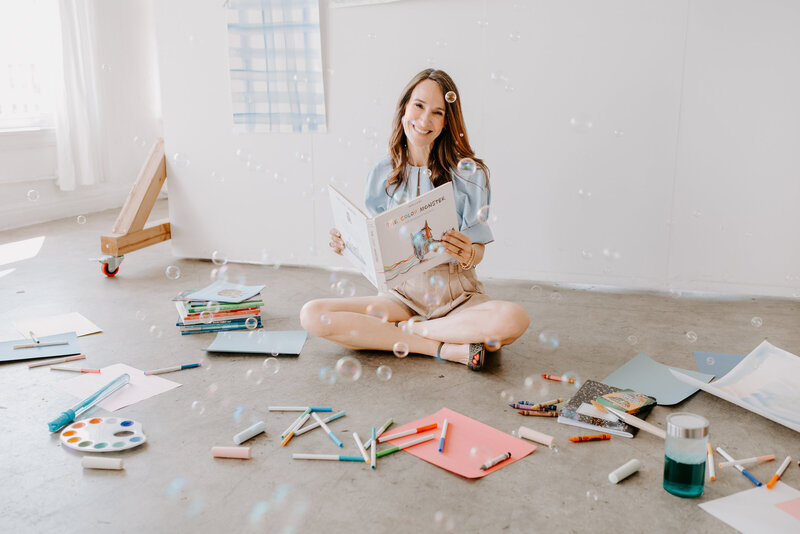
[755, 511]
[57, 324]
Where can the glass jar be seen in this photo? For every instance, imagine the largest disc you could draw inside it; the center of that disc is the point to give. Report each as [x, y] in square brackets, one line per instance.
[685, 454]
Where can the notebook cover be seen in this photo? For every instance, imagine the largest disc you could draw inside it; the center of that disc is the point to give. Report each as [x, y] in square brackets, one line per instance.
[590, 390]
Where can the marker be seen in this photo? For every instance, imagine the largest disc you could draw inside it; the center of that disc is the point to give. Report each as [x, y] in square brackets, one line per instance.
[779, 472]
[444, 433]
[78, 409]
[529, 407]
[297, 423]
[336, 440]
[559, 379]
[300, 422]
[712, 476]
[298, 409]
[409, 432]
[171, 369]
[494, 461]
[374, 458]
[543, 404]
[749, 461]
[595, 437]
[361, 447]
[33, 337]
[537, 413]
[334, 457]
[380, 431]
[58, 360]
[741, 469]
[73, 369]
[39, 344]
[312, 426]
[405, 445]
[638, 423]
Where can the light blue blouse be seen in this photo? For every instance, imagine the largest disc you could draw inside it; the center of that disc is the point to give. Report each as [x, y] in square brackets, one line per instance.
[469, 196]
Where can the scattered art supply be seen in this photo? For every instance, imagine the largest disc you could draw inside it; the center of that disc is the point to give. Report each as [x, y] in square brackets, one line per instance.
[409, 432]
[624, 471]
[379, 432]
[314, 425]
[250, 432]
[57, 324]
[374, 456]
[494, 461]
[238, 453]
[286, 343]
[647, 376]
[779, 472]
[225, 292]
[712, 476]
[595, 437]
[84, 405]
[95, 462]
[67, 346]
[685, 453]
[533, 435]
[334, 457]
[325, 427]
[443, 435]
[103, 434]
[625, 400]
[299, 408]
[405, 445]
[537, 413]
[558, 378]
[58, 360]
[741, 469]
[638, 423]
[292, 430]
[73, 369]
[749, 461]
[530, 408]
[546, 403]
[757, 510]
[172, 369]
[361, 448]
[297, 423]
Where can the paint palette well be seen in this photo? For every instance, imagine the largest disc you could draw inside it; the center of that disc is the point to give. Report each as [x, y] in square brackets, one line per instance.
[103, 434]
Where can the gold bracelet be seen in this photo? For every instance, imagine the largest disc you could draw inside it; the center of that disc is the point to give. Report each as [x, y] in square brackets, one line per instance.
[468, 264]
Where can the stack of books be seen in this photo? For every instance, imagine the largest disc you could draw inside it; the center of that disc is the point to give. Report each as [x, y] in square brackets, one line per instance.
[218, 307]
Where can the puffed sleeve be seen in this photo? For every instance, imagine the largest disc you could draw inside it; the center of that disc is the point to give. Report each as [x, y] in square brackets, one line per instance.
[472, 205]
[375, 197]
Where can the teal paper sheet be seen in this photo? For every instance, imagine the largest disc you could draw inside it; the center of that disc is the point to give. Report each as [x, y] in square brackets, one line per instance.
[645, 375]
[262, 342]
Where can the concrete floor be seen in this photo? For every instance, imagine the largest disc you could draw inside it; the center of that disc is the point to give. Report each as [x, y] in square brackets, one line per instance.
[172, 484]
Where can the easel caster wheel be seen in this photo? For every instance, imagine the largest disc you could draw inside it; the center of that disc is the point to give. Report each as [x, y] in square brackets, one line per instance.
[109, 273]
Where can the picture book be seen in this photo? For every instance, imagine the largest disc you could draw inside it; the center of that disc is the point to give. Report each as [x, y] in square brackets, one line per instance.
[225, 292]
[579, 411]
[625, 400]
[399, 243]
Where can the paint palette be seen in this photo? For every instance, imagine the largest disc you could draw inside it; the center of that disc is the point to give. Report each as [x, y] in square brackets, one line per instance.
[103, 434]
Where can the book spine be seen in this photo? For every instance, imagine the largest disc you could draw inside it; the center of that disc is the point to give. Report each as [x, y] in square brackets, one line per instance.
[225, 307]
[379, 277]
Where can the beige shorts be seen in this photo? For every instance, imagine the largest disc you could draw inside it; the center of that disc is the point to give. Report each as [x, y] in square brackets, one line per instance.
[453, 289]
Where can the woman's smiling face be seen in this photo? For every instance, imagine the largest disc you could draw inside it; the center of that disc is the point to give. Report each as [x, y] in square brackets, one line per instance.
[424, 115]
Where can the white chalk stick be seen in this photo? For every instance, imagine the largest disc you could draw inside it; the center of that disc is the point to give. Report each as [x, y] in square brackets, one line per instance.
[624, 471]
[240, 453]
[538, 437]
[95, 462]
[249, 432]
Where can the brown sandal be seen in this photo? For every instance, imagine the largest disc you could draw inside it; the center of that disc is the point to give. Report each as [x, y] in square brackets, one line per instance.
[477, 352]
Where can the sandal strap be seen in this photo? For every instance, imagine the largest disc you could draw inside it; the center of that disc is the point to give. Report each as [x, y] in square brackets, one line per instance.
[439, 351]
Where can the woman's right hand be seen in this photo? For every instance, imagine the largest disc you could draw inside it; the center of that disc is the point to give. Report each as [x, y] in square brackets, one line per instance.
[336, 241]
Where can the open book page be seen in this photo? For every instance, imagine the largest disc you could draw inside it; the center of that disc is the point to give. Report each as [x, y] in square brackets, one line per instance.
[352, 224]
[765, 382]
[409, 235]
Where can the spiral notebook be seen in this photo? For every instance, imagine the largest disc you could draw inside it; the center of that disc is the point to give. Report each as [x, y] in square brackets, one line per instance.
[579, 411]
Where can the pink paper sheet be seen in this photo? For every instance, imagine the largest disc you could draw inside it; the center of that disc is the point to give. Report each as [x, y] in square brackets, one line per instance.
[141, 387]
[463, 433]
[791, 507]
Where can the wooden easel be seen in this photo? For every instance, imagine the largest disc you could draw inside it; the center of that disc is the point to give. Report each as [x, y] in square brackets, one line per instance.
[129, 232]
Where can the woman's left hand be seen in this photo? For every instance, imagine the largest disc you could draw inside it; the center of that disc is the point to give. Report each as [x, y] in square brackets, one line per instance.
[458, 246]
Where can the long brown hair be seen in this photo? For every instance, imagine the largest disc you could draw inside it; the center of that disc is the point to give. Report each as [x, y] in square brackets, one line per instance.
[451, 146]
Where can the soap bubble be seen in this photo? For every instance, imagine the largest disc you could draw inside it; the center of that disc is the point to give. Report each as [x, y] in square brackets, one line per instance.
[33, 195]
[195, 507]
[632, 340]
[467, 167]
[251, 323]
[507, 396]
[175, 486]
[327, 376]
[435, 281]
[536, 291]
[400, 349]
[483, 214]
[592, 496]
[450, 96]
[325, 319]
[173, 272]
[400, 196]
[492, 344]
[237, 413]
[556, 297]
[206, 317]
[581, 123]
[710, 361]
[219, 258]
[691, 336]
[584, 193]
[271, 366]
[348, 368]
[141, 315]
[156, 331]
[571, 379]
[554, 448]
[756, 322]
[345, 288]
[81, 219]
[427, 173]
[378, 312]
[219, 273]
[586, 254]
[479, 455]
[254, 376]
[198, 407]
[514, 432]
[443, 522]
[548, 340]
[384, 372]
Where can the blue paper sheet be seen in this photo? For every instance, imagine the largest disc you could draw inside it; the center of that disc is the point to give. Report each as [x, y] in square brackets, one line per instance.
[227, 292]
[716, 363]
[263, 342]
[9, 354]
[647, 376]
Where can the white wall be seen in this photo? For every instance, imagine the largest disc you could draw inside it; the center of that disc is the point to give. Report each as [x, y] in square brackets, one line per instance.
[688, 172]
[130, 107]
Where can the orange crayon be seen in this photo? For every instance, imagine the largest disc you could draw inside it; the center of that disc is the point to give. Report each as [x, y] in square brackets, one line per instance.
[559, 379]
[596, 437]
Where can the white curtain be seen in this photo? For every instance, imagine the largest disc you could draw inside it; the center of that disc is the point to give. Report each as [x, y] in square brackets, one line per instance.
[77, 116]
